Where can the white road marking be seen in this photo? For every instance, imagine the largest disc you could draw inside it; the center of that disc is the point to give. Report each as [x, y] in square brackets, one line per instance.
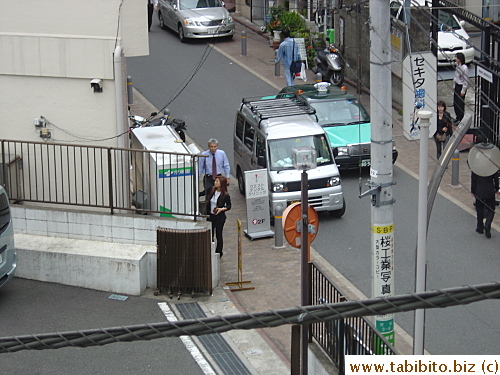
[188, 343]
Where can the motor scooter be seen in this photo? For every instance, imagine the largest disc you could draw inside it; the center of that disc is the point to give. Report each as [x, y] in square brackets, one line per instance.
[330, 63]
[164, 120]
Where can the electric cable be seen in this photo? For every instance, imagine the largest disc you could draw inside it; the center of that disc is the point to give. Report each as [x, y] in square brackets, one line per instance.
[299, 315]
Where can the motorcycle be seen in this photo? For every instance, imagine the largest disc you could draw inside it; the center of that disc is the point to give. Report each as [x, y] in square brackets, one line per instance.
[164, 120]
[330, 63]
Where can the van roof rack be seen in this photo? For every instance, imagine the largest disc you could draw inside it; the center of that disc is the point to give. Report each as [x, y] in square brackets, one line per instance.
[278, 106]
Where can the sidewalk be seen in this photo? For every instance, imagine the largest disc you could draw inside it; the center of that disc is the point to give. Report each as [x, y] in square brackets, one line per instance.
[274, 272]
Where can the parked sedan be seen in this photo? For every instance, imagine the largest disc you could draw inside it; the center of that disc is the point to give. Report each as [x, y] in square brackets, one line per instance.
[452, 37]
[196, 18]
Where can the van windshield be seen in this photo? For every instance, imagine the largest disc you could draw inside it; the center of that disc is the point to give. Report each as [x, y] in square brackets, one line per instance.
[340, 112]
[280, 150]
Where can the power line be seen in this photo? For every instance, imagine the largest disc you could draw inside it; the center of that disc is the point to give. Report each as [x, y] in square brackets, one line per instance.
[300, 315]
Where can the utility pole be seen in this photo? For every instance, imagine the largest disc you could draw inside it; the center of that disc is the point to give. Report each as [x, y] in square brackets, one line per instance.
[381, 171]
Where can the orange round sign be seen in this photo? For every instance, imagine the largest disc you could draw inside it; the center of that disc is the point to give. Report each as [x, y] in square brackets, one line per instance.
[292, 221]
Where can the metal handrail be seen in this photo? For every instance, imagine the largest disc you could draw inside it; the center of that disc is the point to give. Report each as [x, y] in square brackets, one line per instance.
[350, 336]
[100, 177]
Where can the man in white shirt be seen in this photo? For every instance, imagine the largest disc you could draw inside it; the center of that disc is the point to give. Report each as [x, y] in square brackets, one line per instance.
[213, 165]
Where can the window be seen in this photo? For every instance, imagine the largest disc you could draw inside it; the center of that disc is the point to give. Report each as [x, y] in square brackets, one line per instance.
[340, 112]
[280, 150]
[240, 123]
[249, 134]
[4, 212]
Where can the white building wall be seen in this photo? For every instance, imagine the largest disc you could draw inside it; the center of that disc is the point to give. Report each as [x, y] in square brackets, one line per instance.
[49, 52]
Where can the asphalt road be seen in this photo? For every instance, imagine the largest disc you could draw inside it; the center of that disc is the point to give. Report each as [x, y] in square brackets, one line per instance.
[32, 307]
[198, 85]
[455, 257]
[208, 105]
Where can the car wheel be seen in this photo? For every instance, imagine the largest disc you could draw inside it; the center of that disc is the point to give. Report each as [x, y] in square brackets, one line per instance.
[338, 213]
[182, 38]
[241, 182]
[162, 23]
[337, 78]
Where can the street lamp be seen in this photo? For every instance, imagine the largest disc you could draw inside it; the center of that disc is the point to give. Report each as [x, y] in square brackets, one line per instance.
[420, 271]
[304, 158]
[484, 159]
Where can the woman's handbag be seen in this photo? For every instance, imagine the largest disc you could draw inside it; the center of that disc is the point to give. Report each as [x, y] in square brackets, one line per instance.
[441, 137]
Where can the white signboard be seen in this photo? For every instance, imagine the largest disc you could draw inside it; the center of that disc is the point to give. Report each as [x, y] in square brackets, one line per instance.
[302, 50]
[486, 74]
[419, 92]
[257, 198]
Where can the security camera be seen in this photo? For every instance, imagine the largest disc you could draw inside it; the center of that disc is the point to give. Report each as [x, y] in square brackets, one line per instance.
[96, 84]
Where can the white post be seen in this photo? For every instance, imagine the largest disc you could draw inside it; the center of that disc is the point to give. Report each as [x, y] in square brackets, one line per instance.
[420, 268]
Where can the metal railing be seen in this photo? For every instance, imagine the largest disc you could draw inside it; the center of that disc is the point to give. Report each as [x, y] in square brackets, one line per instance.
[350, 336]
[107, 178]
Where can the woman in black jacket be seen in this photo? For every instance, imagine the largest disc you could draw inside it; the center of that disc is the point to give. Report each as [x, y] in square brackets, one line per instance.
[444, 128]
[218, 202]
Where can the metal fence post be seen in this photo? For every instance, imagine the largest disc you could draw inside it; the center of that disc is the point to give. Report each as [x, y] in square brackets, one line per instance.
[278, 226]
[243, 43]
[455, 164]
[130, 94]
[295, 360]
[276, 65]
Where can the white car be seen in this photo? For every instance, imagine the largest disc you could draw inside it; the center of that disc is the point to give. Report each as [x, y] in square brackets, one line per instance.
[452, 37]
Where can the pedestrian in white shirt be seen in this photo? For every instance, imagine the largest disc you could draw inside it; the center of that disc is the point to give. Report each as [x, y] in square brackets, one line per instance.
[460, 85]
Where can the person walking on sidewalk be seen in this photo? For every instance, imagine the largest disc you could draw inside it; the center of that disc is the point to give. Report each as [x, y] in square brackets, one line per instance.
[213, 165]
[460, 84]
[288, 51]
[218, 202]
[444, 128]
[152, 5]
[484, 190]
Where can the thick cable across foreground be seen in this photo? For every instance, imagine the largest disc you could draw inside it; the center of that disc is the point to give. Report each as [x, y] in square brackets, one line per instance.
[299, 315]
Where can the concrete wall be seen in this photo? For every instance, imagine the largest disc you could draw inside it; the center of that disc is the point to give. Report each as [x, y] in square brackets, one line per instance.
[115, 253]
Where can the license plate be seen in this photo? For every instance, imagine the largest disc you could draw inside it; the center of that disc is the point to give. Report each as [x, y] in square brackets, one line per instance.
[365, 163]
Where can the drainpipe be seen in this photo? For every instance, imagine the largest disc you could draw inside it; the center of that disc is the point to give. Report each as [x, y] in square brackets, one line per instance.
[122, 190]
[119, 89]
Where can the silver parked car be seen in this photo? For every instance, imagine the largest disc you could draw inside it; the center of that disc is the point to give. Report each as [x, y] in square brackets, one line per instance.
[196, 18]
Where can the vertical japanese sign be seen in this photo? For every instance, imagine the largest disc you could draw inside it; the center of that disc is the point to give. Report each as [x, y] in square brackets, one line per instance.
[419, 91]
[383, 283]
[257, 198]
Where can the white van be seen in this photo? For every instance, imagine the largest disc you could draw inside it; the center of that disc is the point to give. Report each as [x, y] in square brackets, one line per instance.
[7, 249]
[452, 37]
[266, 131]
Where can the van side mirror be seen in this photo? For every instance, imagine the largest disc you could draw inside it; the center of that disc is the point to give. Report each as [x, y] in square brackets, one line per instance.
[335, 151]
[261, 161]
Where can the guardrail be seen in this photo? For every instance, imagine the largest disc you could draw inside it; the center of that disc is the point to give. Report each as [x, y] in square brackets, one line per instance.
[353, 335]
[101, 178]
